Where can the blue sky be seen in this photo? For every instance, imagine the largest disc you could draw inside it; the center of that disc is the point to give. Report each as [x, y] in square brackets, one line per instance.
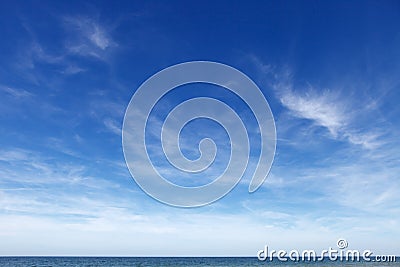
[330, 72]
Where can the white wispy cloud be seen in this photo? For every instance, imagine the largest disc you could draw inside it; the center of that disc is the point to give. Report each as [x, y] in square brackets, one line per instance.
[349, 182]
[73, 69]
[99, 37]
[14, 155]
[15, 92]
[109, 113]
[324, 109]
[35, 53]
[30, 169]
[263, 67]
[152, 234]
[80, 218]
[83, 35]
[88, 37]
[38, 53]
[345, 184]
[331, 109]
[112, 126]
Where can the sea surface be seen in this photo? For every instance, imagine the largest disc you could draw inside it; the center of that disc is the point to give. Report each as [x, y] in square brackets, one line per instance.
[168, 261]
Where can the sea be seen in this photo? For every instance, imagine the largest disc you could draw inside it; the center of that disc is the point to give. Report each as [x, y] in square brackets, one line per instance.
[171, 261]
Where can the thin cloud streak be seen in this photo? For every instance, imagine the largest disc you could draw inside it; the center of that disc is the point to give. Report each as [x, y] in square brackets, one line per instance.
[87, 37]
[330, 110]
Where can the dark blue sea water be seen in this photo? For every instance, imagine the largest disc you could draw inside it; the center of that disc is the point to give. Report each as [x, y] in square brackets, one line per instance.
[167, 261]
